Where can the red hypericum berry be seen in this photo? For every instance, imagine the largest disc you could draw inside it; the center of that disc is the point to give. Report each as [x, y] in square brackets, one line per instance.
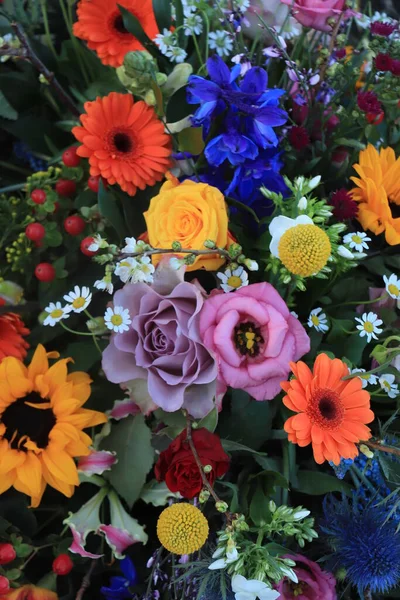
[374, 119]
[85, 243]
[383, 29]
[70, 157]
[62, 565]
[344, 207]
[395, 68]
[4, 585]
[383, 62]
[65, 188]
[368, 102]
[38, 196]
[34, 232]
[45, 272]
[299, 138]
[74, 225]
[93, 183]
[7, 553]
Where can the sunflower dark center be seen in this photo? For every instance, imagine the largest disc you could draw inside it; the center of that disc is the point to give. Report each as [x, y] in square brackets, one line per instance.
[123, 142]
[395, 208]
[327, 408]
[23, 420]
[248, 339]
[119, 24]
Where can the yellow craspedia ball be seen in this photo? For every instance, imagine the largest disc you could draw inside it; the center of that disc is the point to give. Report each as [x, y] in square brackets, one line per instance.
[304, 249]
[182, 528]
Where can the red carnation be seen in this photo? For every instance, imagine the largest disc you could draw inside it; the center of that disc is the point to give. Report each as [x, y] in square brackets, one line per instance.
[395, 67]
[368, 102]
[299, 138]
[177, 466]
[12, 333]
[383, 29]
[383, 62]
[344, 207]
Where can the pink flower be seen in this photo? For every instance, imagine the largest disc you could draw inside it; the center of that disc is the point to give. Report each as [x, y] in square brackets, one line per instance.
[315, 13]
[313, 584]
[254, 337]
[97, 462]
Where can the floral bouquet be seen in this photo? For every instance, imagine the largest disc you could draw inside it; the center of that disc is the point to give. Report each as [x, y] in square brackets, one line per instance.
[199, 300]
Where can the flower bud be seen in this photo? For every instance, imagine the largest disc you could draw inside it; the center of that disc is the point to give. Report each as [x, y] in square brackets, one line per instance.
[96, 326]
[176, 246]
[204, 496]
[207, 469]
[302, 205]
[235, 250]
[210, 244]
[221, 507]
[366, 451]
[252, 265]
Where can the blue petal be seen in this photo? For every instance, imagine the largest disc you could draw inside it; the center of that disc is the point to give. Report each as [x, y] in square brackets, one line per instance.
[272, 116]
[235, 72]
[215, 151]
[204, 112]
[254, 83]
[200, 89]
[218, 70]
[128, 569]
[271, 97]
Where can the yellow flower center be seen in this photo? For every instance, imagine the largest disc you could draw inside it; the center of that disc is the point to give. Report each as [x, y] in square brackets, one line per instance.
[182, 528]
[386, 385]
[234, 281]
[356, 239]
[79, 302]
[116, 320]
[315, 320]
[369, 327]
[393, 289]
[304, 249]
[57, 313]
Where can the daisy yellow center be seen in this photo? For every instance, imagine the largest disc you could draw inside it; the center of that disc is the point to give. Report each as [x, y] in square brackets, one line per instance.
[356, 239]
[304, 249]
[248, 339]
[369, 327]
[116, 320]
[79, 302]
[57, 313]
[393, 289]
[182, 528]
[315, 320]
[26, 419]
[234, 281]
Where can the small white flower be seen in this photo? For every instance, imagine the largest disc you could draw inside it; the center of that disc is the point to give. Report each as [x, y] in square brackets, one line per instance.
[251, 589]
[176, 54]
[294, 314]
[279, 226]
[231, 557]
[369, 325]
[126, 269]
[252, 265]
[318, 320]
[193, 24]
[233, 280]
[221, 42]
[176, 263]
[98, 242]
[79, 299]
[117, 319]
[104, 284]
[315, 181]
[357, 241]
[165, 40]
[345, 252]
[301, 514]
[133, 246]
[302, 205]
[392, 285]
[145, 270]
[290, 574]
[370, 379]
[56, 312]
[387, 383]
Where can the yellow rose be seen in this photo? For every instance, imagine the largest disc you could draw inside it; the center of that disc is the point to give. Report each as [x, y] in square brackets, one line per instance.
[189, 213]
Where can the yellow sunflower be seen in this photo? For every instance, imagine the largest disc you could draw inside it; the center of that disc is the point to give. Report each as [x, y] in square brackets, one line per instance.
[378, 192]
[41, 423]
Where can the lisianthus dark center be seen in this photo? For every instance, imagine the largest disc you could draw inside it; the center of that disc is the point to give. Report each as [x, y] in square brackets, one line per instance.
[248, 339]
[122, 142]
[23, 420]
[119, 24]
[297, 588]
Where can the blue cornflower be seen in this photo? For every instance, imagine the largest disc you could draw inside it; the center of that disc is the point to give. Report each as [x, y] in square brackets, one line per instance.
[119, 586]
[364, 543]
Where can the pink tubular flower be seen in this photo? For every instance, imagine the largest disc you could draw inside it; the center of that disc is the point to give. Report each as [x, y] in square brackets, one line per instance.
[313, 584]
[254, 337]
[97, 462]
[315, 13]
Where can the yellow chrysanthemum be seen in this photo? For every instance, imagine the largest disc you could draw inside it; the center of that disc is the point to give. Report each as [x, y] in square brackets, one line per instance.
[41, 423]
[182, 528]
[304, 249]
[378, 192]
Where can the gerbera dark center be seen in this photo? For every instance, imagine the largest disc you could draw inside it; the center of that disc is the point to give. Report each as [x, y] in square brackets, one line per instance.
[23, 420]
[248, 339]
[119, 24]
[327, 408]
[123, 142]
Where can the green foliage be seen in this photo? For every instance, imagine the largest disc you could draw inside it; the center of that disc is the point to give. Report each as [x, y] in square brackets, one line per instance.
[6, 110]
[109, 209]
[317, 483]
[162, 13]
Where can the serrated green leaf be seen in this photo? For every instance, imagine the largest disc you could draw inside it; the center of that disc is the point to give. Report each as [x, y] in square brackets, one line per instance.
[162, 13]
[6, 110]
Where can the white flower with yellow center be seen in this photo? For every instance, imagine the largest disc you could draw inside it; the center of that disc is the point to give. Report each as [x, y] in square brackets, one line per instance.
[357, 241]
[135, 270]
[387, 383]
[105, 284]
[55, 313]
[369, 325]
[79, 299]
[392, 285]
[126, 269]
[233, 280]
[370, 378]
[318, 320]
[117, 319]
[98, 243]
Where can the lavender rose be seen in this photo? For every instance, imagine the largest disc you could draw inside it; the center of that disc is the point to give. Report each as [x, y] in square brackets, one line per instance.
[163, 345]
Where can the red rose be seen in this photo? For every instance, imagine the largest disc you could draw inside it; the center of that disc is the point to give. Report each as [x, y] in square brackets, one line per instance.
[177, 466]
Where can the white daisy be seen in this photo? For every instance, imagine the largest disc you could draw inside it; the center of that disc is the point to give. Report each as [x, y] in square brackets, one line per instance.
[357, 241]
[370, 379]
[318, 320]
[279, 226]
[79, 299]
[165, 40]
[233, 280]
[193, 24]
[392, 285]
[104, 284]
[56, 312]
[176, 54]
[126, 269]
[221, 42]
[369, 325]
[117, 319]
[387, 383]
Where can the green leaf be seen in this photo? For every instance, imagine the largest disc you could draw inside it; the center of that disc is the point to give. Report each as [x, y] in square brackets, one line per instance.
[176, 419]
[178, 107]
[210, 421]
[85, 198]
[235, 505]
[191, 140]
[316, 483]
[6, 110]
[259, 511]
[162, 12]
[131, 440]
[109, 208]
[231, 446]
[84, 353]
[134, 27]
[14, 574]
[53, 238]
[157, 494]
[23, 550]
[179, 16]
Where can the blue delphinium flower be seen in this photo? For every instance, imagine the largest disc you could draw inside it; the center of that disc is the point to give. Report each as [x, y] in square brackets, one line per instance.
[364, 543]
[232, 145]
[119, 586]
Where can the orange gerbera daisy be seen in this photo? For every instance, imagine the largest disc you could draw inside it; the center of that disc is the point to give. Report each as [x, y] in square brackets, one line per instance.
[12, 332]
[378, 192]
[100, 23]
[331, 412]
[30, 592]
[41, 423]
[124, 141]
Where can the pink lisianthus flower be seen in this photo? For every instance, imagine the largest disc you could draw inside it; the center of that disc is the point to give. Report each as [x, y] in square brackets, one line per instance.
[313, 584]
[254, 337]
[315, 13]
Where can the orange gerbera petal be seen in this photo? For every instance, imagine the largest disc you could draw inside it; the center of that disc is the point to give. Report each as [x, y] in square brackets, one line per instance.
[332, 412]
[101, 25]
[30, 592]
[124, 141]
[12, 333]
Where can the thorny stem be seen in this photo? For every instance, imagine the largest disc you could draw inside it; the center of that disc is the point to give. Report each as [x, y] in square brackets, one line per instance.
[382, 448]
[86, 581]
[324, 66]
[206, 483]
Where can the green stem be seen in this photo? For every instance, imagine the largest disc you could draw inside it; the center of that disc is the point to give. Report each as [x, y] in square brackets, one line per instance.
[196, 45]
[74, 42]
[260, 537]
[357, 302]
[15, 168]
[376, 370]
[87, 313]
[73, 331]
[49, 41]
[286, 471]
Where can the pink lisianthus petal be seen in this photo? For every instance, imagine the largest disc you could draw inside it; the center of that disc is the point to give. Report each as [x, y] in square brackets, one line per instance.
[313, 584]
[77, 546]
[118, 539]
[97, 462]
[316, 13]
[124, 408]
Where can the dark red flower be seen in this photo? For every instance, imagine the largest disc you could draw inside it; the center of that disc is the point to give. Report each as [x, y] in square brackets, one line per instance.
[177, 466]
[299, 138]
[368, 102]
[383, 29]
[383, 62]
[395, 68]
[344, 207]
[341, 53]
